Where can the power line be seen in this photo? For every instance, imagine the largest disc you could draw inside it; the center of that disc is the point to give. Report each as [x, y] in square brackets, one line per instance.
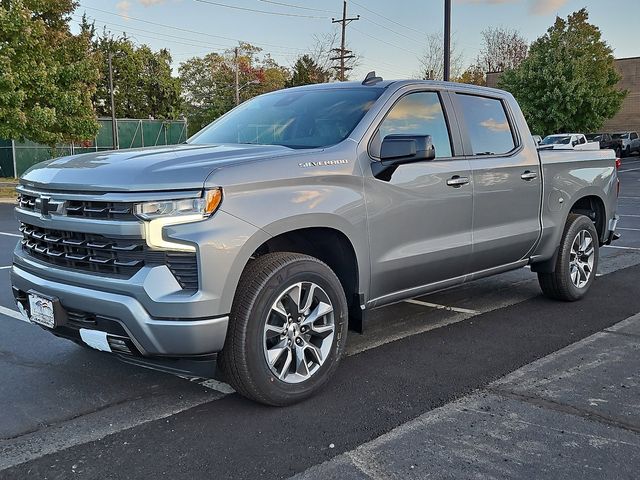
[387, 18]
[282, 4]
[393, 31]
[149, 22]
[385, 42]
[254, 10]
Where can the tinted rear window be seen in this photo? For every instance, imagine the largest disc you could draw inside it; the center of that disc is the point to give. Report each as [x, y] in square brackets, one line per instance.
[487, 125]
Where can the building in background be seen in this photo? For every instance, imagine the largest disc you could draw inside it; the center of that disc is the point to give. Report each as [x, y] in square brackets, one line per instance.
[628, 118]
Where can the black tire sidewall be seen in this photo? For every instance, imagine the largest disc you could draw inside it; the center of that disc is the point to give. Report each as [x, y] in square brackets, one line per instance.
[574, 226]
[277, 391]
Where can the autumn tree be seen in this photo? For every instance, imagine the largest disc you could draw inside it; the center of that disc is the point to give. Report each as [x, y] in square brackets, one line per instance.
[502, 49]
[568, 81]
[473, 75]
[208, 83]
[47, 75]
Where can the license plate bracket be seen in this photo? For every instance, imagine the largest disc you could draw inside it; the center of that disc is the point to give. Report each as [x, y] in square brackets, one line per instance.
[44, 310]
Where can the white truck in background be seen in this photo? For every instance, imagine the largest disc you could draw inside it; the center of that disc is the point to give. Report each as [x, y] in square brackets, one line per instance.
[568, 141]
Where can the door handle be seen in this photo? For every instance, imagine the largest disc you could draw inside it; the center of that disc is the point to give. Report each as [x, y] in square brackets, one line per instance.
[457, 181]
[528, 175]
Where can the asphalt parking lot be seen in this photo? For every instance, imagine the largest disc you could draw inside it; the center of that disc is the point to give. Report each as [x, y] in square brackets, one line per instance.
[71, 412]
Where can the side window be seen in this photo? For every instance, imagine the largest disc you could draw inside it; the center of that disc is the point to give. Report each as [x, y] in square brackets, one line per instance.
[634, 136]
[487, 125]
[582, 140]
[419, 114]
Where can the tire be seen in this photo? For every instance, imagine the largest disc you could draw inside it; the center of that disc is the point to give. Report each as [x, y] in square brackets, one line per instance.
[567, 282]
[263, 317]
[627, 151]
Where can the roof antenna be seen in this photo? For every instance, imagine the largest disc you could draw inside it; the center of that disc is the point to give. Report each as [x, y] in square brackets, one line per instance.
[371, 79]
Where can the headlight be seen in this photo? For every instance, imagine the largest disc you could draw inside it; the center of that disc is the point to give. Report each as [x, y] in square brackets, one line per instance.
[204, 207]
[158, 215]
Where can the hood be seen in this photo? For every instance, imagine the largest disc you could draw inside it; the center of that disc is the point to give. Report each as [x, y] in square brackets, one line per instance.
[173, 167]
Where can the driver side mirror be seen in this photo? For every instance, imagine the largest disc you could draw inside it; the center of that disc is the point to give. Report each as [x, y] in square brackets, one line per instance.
[400, 149]
[397, 150]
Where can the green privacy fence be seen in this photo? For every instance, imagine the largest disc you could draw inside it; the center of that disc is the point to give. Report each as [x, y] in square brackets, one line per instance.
[16, 157]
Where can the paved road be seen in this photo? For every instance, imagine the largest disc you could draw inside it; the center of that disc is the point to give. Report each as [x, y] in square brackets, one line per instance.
[69, 410]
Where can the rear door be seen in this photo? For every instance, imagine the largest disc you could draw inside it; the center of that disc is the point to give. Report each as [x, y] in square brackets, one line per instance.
[420, 217]
[506, 182]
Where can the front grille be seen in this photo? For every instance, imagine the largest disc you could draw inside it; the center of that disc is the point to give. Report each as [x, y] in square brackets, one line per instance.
[84, 208]
[104, 255]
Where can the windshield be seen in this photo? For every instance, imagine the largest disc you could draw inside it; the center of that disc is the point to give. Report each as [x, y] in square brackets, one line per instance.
[556, 140]
[594, 136]
[618, 136]
[294, 119]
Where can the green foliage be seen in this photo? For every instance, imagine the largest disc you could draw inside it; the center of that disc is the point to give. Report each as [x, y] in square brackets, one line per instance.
[208, 82]
[142, 80]
[568, 81]
[306, 71]
[47, 75]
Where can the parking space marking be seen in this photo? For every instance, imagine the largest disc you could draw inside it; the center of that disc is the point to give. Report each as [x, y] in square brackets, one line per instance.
[629, 170]
[622, 248]
[5, 267]
[630, 229]
[13, 314]
[630, 198]
[11, 234]
[634, 216]
[442, 307]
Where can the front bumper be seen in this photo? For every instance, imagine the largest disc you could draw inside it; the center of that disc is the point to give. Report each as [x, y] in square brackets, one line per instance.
[150, 336]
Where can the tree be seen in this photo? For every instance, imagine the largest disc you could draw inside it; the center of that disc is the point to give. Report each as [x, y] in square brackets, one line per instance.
[47, 75]
[306, 71]
[568, 81]
[502, 49]
[432, 61]
[323, 53]
[143, 84]
[473, 75]
[208, 82]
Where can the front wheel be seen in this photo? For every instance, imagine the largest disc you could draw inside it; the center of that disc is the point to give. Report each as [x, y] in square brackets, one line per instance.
[287, 329]
[577, 261]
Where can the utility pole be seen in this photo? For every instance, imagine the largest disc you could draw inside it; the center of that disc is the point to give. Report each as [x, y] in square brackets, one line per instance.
[237, 79]
[447, 40]
[343, 53]
[114, 125]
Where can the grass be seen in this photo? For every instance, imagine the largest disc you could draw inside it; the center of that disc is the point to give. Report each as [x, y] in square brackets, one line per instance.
[7, 193]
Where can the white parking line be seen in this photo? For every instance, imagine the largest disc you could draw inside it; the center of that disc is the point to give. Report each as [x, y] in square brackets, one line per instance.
[5, 267]
[13, 314]
[629, 170]
[622, 248]
[634, 216]
[11, 234]
[442, 307]
[630, 229]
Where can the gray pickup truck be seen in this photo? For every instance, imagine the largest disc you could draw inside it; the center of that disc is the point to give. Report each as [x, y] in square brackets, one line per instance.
[269, 232]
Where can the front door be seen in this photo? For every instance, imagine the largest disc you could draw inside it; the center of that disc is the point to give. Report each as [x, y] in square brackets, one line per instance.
[420, 218]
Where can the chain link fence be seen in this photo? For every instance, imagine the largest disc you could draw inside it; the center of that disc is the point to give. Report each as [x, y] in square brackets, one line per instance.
[16, 157]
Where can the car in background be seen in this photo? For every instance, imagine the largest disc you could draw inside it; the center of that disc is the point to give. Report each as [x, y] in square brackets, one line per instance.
[537, 139]
[568, 141]
[606, 141]
[630, 142]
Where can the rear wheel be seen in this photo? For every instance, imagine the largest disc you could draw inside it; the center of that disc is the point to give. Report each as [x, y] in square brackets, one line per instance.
[287, 329]
[577, 261]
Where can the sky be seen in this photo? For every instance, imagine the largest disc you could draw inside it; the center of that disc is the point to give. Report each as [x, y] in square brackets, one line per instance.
[389, 37]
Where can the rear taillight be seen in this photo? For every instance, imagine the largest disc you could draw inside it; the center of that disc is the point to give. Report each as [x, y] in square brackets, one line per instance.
[618, 163]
